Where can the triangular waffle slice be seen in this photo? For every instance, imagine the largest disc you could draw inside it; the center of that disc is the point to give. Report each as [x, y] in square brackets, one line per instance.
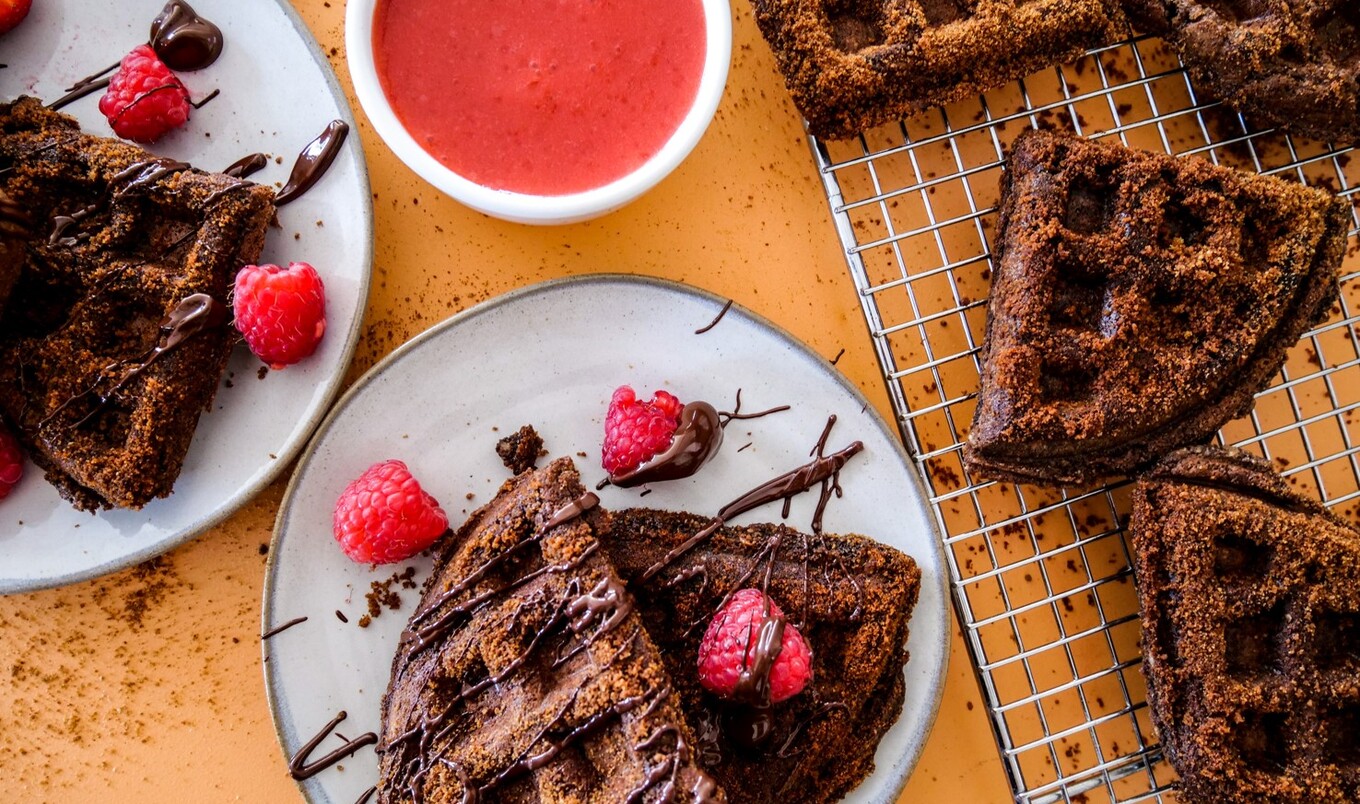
[855, 64]
[1251, 631]
[1288, 63]
[116, 332]
[851, 598]
[1138, 303]
[526, 673]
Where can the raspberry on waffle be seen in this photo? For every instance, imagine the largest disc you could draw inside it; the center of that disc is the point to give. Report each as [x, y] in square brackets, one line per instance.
[1250, 597]
[1138, 303]
[115, 335]
[850, 597]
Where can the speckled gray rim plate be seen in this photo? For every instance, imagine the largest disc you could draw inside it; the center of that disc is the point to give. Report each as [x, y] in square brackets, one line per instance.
[550, 355]
[256, 426]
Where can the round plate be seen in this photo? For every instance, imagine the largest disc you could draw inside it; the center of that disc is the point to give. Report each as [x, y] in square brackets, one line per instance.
[256, 424]
[551, 355]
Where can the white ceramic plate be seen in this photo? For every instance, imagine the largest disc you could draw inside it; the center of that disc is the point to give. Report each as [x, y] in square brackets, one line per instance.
[278, 93]
[550, 356]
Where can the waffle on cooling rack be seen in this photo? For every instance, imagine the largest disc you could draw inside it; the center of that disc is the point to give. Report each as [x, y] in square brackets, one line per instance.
[1138, 302]
[526, 674]
[1250, 600]
[115, 335]
[852, 599]
[1288, 63]
[854, 64]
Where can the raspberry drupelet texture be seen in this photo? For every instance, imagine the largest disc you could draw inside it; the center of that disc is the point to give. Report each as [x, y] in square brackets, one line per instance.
[11, 463]
[385, 516]
[281, 312]
[635, 431]
[730, 654]
[144, 99]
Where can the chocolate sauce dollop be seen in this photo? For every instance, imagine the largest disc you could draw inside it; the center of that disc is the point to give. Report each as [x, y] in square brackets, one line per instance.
[183, 39]
[311, 164]
[695, 442]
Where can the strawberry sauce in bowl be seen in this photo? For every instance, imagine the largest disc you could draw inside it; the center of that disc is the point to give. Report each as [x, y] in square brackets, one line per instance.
[540, 111]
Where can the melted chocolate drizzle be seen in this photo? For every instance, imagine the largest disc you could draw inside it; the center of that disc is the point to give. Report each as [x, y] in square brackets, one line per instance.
[695, 442]
[572, 510]
[246, 166]
[821, 469]
[714, 322]
[583, 616]
[312, 163]
[85, 86]
[300, 768]
[279, 629]
[195, 313]
[184, 40]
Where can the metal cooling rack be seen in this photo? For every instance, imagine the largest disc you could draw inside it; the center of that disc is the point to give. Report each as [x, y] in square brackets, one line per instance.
[1041, 577]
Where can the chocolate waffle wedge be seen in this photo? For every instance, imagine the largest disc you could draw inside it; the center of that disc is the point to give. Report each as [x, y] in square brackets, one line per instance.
[855, 64]
[526, 675]
[1138, 303]
[851, 599]
[1251, 631]
[116, 331]
[1288, 63]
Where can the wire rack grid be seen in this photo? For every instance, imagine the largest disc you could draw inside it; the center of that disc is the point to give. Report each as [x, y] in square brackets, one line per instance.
[1041, 577]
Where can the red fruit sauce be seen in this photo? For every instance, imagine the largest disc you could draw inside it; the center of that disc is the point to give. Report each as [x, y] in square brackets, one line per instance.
[547, 97]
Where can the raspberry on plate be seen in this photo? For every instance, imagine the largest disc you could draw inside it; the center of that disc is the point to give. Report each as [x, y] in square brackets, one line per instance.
[11, 461]
[280, 312]
[743, 656]
[635, 431]
[12, 12]
[144, 99]
[384, 516]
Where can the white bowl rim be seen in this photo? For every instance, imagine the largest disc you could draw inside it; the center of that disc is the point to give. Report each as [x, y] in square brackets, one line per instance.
[524, 207]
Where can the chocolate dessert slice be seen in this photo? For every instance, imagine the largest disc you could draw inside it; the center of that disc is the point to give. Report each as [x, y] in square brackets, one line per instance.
[1288, 63]
[850, 597]
[1251, 631]
[1138, 303]
[116, 330]
[526, 673]
[855, 64]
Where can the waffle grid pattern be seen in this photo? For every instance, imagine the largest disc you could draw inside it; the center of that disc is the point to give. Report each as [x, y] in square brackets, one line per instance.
[1041, 577]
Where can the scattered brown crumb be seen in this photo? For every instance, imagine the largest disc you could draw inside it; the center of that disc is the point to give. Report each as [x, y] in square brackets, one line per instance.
[520, 450]
[262, 372]
[381, 595]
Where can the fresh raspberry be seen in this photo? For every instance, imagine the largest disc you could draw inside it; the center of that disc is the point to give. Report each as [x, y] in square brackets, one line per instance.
[635, 431]
[385, 516]
[12, 12]
[729, 649]
[144, 99]
[11, 461]
[281, 313]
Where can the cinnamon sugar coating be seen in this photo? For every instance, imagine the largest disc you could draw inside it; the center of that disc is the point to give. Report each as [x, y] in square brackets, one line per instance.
[1138, 303]
[1250, 597]
[551, 662]
[93, 293]
[1288, 63]
[855, 64]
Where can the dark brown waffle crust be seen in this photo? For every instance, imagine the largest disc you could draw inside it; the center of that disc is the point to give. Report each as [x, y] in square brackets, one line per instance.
[1288, 63]
[855, 64]
[857, 688]
[1251, 631]
[602, 670]
[89, 302]
[1137, 304]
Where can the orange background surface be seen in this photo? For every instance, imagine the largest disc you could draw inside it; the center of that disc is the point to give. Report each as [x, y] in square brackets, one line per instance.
[146, 685]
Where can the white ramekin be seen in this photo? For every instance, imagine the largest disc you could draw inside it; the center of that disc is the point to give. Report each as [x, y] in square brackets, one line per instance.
[522, 207]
